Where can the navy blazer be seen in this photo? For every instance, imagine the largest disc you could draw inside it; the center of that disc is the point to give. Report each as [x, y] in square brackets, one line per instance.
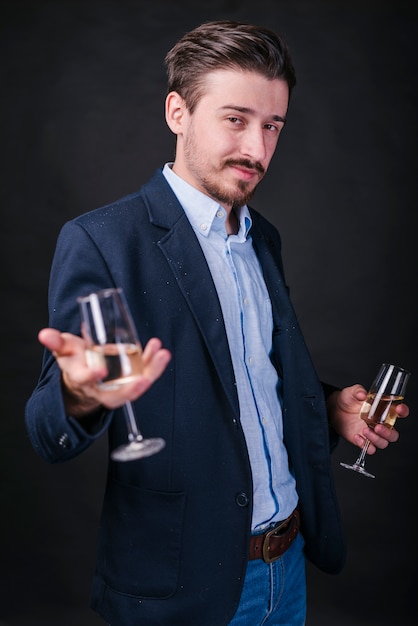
[174, 530]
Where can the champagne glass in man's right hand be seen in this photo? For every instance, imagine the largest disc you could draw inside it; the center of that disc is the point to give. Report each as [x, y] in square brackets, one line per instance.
[111, 338]
[385, 393]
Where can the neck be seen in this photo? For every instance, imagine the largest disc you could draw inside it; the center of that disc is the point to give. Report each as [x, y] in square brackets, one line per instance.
[231, 222]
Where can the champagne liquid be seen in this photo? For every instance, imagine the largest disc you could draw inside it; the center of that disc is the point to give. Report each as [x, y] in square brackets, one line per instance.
[122, 361]
[383, 412]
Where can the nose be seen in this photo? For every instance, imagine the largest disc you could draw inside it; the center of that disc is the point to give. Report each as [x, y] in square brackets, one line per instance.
[253, 144]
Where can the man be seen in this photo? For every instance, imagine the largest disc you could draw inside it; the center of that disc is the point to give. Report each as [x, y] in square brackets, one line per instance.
[214, 529]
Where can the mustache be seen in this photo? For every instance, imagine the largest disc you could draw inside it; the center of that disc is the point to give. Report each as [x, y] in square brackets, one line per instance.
[247, 164]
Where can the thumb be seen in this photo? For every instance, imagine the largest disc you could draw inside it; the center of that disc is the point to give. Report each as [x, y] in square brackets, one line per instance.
[60, 344]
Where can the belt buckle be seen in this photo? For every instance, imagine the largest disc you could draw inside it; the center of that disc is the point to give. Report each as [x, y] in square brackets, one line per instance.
[266, 543]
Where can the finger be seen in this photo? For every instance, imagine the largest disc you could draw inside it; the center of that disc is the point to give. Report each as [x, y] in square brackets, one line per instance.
[359, 392]
[50, 338]
[391, 435]
[381, 436]
[158, 364]
[131, 391]
[114, 398]
[60, 344]
[402, 410]
[154, 359]
[153, 345]
[359, 440]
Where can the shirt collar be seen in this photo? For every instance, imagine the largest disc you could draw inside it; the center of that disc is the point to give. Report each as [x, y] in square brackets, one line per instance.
[201, 210]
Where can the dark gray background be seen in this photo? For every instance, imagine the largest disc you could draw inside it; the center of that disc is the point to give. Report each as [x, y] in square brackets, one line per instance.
[82, 90]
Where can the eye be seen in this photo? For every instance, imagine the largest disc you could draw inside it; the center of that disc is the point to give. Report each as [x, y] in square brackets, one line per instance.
[236, 121]
[273, 127]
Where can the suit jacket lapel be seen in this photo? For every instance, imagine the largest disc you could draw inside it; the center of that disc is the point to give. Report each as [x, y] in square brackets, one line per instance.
[269, 255]
[188, 264]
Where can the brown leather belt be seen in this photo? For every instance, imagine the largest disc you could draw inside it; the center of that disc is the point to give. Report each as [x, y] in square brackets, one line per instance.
[274, 542]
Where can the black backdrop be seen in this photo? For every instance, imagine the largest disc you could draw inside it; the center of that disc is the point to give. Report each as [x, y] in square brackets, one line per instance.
[82, 89]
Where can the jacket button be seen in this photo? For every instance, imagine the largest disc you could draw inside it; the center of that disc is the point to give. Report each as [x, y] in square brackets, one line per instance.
[242, 499]
[64, 441]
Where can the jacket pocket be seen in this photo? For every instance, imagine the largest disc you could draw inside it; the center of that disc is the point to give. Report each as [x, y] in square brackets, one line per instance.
[139, 541]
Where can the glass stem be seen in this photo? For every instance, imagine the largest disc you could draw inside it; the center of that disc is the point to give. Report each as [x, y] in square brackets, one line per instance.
[362, 456]
[133, 432]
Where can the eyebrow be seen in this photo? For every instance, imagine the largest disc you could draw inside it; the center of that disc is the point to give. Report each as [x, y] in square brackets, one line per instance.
[234, 107]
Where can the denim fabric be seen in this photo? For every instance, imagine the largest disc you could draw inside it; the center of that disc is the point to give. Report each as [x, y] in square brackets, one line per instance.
[274, 594]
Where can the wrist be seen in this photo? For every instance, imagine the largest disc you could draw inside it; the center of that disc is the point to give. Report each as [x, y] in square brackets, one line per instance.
[331, 404]
[76, 402]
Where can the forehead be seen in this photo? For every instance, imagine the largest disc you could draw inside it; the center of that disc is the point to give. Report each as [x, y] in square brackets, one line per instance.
[245, 89]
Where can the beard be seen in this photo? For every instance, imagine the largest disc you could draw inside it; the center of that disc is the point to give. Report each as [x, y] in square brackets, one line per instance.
[209, 178]
[235, 195]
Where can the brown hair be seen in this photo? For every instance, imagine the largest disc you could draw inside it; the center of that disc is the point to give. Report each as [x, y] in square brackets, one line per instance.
[225, 45]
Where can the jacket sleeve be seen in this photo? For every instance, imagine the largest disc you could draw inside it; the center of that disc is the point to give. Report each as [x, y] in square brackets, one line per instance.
[56, 436]
[334, 438]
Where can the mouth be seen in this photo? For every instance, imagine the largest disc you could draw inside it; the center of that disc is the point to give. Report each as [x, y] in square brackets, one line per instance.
[246, 171]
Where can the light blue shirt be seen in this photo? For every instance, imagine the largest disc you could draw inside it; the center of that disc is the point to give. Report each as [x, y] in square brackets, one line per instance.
[246, 309]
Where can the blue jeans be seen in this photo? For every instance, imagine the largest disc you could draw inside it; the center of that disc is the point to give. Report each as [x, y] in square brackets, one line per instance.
[274, 594]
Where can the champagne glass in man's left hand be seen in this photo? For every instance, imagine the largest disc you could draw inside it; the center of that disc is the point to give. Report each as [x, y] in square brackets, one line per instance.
[386, 392]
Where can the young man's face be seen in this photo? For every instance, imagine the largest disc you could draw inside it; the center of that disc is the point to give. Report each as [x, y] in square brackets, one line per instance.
[224, 148]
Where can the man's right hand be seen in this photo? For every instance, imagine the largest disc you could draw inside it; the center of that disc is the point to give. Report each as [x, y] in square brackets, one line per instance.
[82, 395]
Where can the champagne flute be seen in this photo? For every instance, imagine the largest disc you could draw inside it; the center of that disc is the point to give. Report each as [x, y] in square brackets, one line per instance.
[111, 338]
[386, 392]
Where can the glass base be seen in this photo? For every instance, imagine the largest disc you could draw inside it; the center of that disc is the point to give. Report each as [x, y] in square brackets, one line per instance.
[137, 449]
[358, 468]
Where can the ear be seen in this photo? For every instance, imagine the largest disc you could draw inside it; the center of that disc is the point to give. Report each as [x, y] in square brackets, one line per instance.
[175, 108]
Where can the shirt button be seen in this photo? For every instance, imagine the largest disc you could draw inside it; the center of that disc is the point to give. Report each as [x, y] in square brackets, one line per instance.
[203, 227]
[250, 360]
[245, 301]
[220, 213]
